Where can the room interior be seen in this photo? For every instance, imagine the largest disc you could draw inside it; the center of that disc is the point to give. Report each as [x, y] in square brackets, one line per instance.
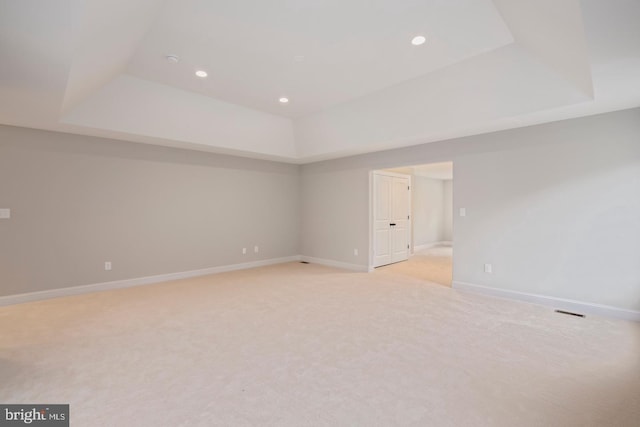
[186, 211]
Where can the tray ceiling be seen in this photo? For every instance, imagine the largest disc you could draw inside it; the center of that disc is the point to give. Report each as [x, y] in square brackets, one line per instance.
[354, 81]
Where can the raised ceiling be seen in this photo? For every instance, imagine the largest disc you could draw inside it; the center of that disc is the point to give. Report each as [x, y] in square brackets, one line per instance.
[317, 53]
[355, 82]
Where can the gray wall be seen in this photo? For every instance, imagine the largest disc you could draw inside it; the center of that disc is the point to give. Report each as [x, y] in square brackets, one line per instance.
[77, 202]
[427, 205]
[555, 207]
[335, 215]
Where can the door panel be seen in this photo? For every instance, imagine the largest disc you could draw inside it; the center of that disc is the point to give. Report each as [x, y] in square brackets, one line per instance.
[391, 219]
[383, 244]
[383, 205]
[382, 218]
[400, 198]
[400, 212]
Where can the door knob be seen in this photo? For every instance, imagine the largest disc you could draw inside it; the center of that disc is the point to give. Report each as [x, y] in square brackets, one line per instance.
[393, 224]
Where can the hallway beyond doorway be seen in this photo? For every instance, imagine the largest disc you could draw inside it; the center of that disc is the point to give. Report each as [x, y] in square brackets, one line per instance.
[432, 264]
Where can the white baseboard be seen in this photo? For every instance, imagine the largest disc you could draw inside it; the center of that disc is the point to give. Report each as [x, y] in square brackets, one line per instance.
[336, 264]
[127, 283]
[558, 303]
[431, 245]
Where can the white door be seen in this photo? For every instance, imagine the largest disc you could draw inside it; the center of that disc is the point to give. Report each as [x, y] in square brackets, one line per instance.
[382, 185]
[392, 206]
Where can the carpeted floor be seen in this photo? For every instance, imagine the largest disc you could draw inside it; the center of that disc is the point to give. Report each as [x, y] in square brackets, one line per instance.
[432, 265]
[306, 345]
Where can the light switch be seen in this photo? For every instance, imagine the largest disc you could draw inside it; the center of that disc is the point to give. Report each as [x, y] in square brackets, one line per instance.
[463, 211]
[5, 213]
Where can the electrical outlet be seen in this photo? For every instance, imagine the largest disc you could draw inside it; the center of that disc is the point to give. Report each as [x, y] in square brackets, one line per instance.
[355, 252]
[107, 265]
[244, 251]
[488, 268]
[256, 249]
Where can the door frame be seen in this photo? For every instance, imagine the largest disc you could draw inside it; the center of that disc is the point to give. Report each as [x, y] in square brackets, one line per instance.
[372, 204]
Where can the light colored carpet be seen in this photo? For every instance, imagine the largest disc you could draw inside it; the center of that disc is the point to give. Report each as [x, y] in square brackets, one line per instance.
[306, 345]
[432, 264]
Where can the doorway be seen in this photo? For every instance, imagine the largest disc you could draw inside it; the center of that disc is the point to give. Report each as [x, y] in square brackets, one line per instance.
[430, 255]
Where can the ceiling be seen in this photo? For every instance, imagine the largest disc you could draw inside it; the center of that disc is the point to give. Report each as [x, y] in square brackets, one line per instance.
[354, 81]
[318, 54]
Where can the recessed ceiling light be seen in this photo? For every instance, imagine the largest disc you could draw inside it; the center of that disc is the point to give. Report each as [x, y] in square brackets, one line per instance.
[418, 40]
[201, 73]
[283, 100]
[173, 58]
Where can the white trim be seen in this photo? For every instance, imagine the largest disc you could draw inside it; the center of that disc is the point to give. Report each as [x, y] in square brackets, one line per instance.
[559, 303]
[431, 245]
[336, 264]
[394, 174]
[127, 283]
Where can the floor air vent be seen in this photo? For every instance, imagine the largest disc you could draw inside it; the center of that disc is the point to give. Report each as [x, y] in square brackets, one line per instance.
[569, 313]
